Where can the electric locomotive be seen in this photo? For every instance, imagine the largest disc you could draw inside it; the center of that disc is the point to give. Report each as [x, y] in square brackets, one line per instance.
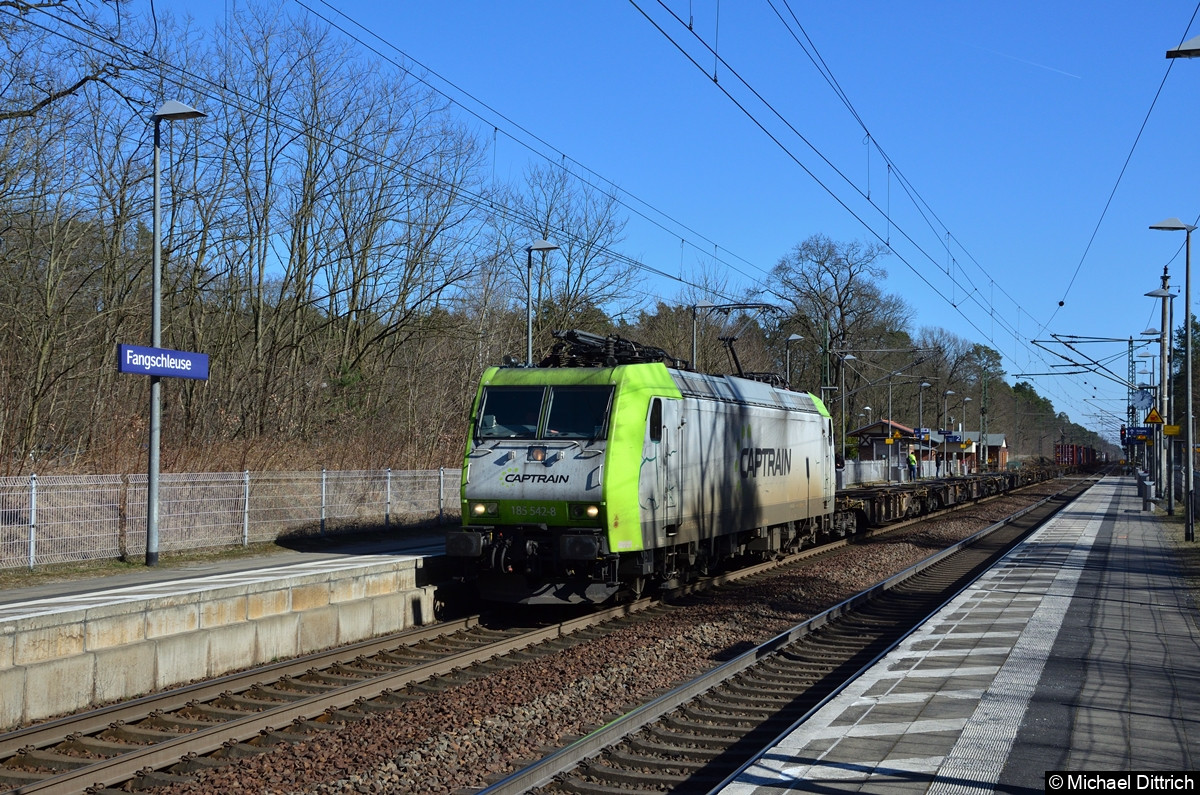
[614, 469]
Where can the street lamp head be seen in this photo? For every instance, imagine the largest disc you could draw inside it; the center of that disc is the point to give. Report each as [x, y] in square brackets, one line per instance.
[966, 400]
[925, 385]
[949, 392]
[1189, 49]
[1172, 225]
[541, 245]
[1150, 332]
[795, 338]
[173, 110]
[1160, 293]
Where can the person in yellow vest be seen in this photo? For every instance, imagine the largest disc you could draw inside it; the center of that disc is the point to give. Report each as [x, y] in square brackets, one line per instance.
[912, 464]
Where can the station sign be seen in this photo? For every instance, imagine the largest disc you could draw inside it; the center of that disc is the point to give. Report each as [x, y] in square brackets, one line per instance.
[1138, 432]
[144, 360]
[951, 437]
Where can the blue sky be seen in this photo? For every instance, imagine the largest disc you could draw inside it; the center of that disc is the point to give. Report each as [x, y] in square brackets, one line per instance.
[1011, 124]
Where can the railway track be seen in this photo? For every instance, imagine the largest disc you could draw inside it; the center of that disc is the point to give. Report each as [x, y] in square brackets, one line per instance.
[696, 737]
[164, 738]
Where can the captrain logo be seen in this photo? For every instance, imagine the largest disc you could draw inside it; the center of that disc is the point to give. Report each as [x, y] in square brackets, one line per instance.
[512, 476]
[755, 462]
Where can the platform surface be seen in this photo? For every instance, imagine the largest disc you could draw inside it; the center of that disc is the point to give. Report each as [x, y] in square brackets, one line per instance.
[17, 604]
[1079, 652]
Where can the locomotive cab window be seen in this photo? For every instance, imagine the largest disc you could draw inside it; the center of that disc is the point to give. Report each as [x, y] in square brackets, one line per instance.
[656, 431]
[510, 412]
[578, 412]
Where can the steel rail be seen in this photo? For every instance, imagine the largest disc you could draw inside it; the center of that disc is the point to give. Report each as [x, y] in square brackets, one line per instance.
[121, 768]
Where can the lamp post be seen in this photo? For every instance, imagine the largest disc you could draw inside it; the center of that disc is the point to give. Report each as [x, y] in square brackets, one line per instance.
[537, 245]
[1156, 469]
[966, 400]
[891, 427]
[1166, 399]
[868, 410]
[1189, 49]
[921, 413]
[921, 403]
[849, 357]
[945, 418]
[787, 358]
[1174, 225]
[170, 111]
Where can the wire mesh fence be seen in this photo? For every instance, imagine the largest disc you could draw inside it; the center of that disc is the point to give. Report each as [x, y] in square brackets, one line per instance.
[59, 519]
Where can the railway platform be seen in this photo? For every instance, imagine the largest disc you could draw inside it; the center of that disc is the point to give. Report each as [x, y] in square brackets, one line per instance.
[1079, 654]
[72, 644]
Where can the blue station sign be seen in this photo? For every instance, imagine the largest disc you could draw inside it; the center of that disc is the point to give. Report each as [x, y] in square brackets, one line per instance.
[144, 360]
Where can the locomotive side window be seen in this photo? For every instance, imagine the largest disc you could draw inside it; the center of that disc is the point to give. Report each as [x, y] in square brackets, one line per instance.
[578, 412]
[656, 421]
[510, 412]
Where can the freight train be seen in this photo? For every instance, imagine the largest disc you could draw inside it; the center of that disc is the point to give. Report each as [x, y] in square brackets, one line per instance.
[1077, 456]
[610, 468]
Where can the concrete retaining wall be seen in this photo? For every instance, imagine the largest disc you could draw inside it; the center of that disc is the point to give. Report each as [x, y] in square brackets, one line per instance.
[70, 660]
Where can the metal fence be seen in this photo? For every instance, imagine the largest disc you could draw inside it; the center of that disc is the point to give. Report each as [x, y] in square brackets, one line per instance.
[64, 518]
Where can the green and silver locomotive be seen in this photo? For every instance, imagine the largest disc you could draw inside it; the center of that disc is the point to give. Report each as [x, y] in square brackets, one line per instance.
[613, 472]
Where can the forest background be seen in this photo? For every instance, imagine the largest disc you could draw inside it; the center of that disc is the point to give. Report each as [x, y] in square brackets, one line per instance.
[334, 240]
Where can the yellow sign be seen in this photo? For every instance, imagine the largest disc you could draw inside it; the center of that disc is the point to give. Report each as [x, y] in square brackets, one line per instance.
[889, 441]
[1171, 430]
[895, 434]
[1154, 418]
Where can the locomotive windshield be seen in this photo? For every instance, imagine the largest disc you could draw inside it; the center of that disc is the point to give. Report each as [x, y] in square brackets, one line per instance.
[577, 412]
[569, 412]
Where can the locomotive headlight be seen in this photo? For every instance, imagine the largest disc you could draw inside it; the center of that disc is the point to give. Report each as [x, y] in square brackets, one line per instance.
[583, 510]
[537, 454]
[485, 509]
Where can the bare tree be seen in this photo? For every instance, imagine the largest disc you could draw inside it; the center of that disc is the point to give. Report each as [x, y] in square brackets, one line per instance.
[834, 294]
[40, 67]
[586, 275]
